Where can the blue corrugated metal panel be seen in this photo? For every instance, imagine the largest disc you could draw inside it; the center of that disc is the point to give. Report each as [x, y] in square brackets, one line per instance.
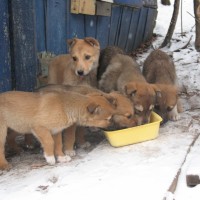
[5, 69]
[133, 3]
[103, 27]
[76, 26]
[150, 3]
[133, 30]
[150, 23]
[115, 24]
[40, 8]
[90, 25]
[23, 25]
[140, 28]
[56, 26]
[125, 25]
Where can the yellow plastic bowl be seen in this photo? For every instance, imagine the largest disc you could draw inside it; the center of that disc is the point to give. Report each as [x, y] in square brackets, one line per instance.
[135, 134]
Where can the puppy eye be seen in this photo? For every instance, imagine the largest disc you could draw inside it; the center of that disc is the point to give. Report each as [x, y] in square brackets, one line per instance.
[87, 57]
[74, 58]
[129, 116]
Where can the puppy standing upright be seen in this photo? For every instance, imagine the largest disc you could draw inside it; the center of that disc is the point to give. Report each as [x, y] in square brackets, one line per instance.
[159, 68]
[46, 115]
[123, 74]
[78, 67]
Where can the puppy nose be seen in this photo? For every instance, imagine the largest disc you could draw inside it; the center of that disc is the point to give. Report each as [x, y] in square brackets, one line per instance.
[80, 72]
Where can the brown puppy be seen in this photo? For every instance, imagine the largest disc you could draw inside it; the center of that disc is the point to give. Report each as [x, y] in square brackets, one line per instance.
[123, 74]
[124, 116]
[78, 67]
[160, 69]
[46, 115]
[105, 57]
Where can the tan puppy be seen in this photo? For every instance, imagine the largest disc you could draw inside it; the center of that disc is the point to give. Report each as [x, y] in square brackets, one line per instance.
[123, 118]
[123, 74]
[159, 68]
[46, 115]
[78, 67]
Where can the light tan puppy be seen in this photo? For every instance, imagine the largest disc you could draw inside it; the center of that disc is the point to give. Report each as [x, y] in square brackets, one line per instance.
[78, 67]
[160, 69]
[123, 74]
[46, 115]
[123, 118]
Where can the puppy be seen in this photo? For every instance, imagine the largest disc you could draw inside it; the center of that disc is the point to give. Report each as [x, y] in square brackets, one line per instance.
[159, 69]
[123, 118]
[123, 74]
[45, 115]
[77, 67]
[105, 57]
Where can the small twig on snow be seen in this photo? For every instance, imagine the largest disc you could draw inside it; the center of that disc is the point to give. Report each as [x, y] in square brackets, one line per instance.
[185, 46]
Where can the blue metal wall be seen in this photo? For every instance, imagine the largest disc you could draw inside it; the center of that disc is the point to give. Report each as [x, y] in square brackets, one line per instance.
[31, 26]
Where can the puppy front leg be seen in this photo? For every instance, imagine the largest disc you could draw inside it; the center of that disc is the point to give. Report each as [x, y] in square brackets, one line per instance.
[4, 165]
[173, 114]
[58, 149]
[45, 138]
[69, 140]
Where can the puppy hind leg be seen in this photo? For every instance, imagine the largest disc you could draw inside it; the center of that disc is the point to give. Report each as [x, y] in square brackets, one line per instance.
[4, 165]
[80, 137]
[58, 149]
[45, 138]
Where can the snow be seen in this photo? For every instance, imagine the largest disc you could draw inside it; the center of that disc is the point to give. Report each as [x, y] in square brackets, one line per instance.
[140, 171]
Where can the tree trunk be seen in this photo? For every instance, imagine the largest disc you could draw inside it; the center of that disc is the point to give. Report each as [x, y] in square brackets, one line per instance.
[172, 24]
[197, 17]
[165, 2]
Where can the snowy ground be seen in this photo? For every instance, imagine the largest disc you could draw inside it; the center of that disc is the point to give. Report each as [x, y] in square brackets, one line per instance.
[140, 171]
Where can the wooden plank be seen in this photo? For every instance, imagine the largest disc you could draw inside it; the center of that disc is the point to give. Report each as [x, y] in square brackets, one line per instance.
[56, 26]
[87, 7]
[115, 24]
[141, 28]
[103, 8]
[5, 67]
[150, 24]
[132, 3]
[24, 40]
[90, 26]
[74, 8]
[40, 25]
[133, 30]
[103, 28]
[124, 27]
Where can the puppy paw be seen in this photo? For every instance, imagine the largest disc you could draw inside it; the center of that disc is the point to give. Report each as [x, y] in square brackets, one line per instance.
[85, 145]
[173, 115]
[70, 153]
[5, 166]
[50, 160]
[63, 159]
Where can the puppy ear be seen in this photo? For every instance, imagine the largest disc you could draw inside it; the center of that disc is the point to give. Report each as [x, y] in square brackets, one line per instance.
[93, 108]
[93, 42]
[130, 89]
[112, 100]
[71, 43]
